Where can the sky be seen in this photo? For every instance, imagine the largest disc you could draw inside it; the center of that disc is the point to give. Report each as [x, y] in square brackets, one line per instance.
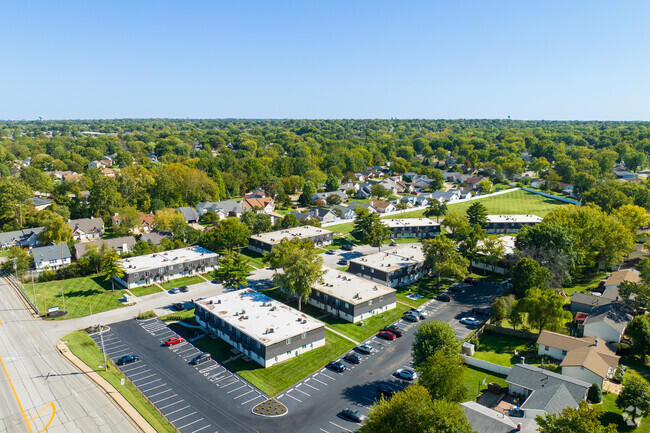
[552, 60]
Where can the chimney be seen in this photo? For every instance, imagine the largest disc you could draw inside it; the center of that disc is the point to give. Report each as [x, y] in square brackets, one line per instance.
[523, 360]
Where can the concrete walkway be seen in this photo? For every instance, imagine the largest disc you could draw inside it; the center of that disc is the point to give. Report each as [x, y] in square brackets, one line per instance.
[344, 336]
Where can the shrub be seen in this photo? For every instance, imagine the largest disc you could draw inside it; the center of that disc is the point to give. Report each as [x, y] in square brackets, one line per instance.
[595, 393]
[146, 315]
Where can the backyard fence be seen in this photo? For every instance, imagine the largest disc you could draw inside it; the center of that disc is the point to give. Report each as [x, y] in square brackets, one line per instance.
[512, 332]
[486, 365]
[11, 279]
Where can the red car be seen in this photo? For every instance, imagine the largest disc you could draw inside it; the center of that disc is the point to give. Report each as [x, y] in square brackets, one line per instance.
[173, 340]
[386, 335]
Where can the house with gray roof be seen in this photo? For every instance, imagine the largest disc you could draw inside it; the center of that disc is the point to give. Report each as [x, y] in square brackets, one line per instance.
[121, 245]
[155, 237]
[607, 322]
[323, 195]
[323, 215]
[86, 228]
[51, 257]
[344, 212]
[21, 238]
[224, 208]
[486, 420]
[40, 203]
[543, 391]
[585, 302]
[189, 214]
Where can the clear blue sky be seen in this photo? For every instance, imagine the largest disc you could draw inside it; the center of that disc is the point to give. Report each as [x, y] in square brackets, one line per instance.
[325, 59]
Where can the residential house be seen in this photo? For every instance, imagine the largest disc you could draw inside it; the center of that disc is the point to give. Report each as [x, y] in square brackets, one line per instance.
[585, 302]
[155, 237]
[96, 164]
[122, 245]
[71, 176]
[109, 172]
[408, 199]
[51, 257]
[344, 212]
[349, 185]
[363, 193]
[224, 208]
[607, 322]
[382, 206]
[146, 222]
[323, 215]
[152, 157]
[486, 420]
[615, 279]
[473, 182]
[258, 193]
[451, 196]
[568, 190]
[543, 391]
[40, 203]
[402, 187]
[21, 238]
[324, 195]
[86, 228]
[367, 206]
[536, 183]
[589, 359]
[189, 214]
[264, 204]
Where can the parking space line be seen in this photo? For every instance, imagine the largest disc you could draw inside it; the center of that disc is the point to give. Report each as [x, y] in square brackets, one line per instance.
[243, 394]
[313, 387]
[151, 389]
[324, 430]
[193, 422]
[182, 351]
[289, 395]
[158, 393]
[185, 416]
[319, 381]
[142, 378]
[166, 398]
[148, 383]
[140, 372]
[202, 428]
[341, 427]
[231, 383]
[124, 370]
[308, 395]
[171, 404]
[233, 390]
[248, 401]
[177, 410]
[328, 376]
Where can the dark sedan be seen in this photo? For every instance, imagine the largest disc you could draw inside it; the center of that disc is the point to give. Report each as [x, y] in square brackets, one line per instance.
[352, 358]
[394, 329]
[127, 359]
[337, 366]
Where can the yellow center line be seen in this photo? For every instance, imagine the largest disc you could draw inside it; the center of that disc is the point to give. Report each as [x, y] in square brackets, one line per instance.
[22, 411]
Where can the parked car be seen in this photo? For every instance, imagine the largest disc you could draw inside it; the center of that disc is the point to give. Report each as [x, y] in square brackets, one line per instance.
[406, 374]
[352, 358]
[386, 390]
[178, 306]
[470, 321]
[173, 340]
[386, 335]
[184, 289]
[127, 359]
[393, 244]
[346, 247]
[174, 291]
[394, 329]
[353, 415]
[342, 262]
[419, 312]
[330, 252]
[455, 289]
[443, 297]
[365, 349]
[337, 366]
[470, 280]
[482, 312]
[411, 317]
[201, 358]
[294, 207]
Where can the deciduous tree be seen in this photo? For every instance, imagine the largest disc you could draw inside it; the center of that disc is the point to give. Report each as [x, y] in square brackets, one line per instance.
[56, 230]
[431, 337]
[369, 228]
[442, 375]
[441, 254]
[233, 270]
[635, 393]
[584, 419]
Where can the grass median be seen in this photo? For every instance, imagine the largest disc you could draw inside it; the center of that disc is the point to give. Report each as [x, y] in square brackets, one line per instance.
[184, 281]
[144, 291]
[279, 377]
[87, 351]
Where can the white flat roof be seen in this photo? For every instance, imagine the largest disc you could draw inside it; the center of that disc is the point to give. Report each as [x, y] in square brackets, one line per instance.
[302, 232]
[165, 258]
[255, 314]
[393, 259]
[409, 222]
[514, 219]
[508, 243]
[350, 288]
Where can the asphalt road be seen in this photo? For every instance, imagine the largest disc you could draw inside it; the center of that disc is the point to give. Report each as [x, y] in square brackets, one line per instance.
[209, 397]
[39, 375]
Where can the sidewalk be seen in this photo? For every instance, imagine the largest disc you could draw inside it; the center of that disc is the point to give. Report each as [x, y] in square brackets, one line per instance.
[133, 415]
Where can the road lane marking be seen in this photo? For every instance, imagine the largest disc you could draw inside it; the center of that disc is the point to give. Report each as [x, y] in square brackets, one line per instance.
[341, 427]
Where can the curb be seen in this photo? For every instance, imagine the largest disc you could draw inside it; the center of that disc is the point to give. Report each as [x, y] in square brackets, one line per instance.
[109, 390]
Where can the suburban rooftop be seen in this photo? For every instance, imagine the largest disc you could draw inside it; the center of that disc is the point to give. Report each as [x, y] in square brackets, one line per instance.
[514, 219]
[350, 288]
[393, 259]
[166, 258]
[303, 232]
[409, 222]
[508, 243]
[258, 316]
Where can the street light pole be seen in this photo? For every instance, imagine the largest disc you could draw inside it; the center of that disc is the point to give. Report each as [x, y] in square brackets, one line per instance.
[101, 338]
[63, 297]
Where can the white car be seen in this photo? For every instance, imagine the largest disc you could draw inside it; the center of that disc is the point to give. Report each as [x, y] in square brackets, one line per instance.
[470, 321]
[406, 374]
[418, 312]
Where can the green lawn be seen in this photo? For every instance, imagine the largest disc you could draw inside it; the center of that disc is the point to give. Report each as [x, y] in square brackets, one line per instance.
[500, 349]
[612, 415]
[425, 287]
[473, 378]
[184, 281]
[370, 326]
[585, 284]
[255, 259]
[178, 316]
[79, 293]
[344, 228]
[85, 349]
[279, 377]
[144, 291]
[4, 253]
[343, 268]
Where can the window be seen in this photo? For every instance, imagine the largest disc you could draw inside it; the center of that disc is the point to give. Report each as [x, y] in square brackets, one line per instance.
[564, 352]
[370, 302]
[288, 340]
[346, 305]
[304, 335]
[546, 348]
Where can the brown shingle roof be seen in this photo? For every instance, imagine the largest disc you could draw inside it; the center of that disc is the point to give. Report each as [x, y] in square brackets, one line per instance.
[619, 276]
[252, 203]
[380, 204]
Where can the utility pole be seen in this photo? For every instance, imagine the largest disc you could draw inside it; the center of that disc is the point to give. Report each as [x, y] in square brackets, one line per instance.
[101, 338]
[44, 306]
[63, 297]
[33, 286]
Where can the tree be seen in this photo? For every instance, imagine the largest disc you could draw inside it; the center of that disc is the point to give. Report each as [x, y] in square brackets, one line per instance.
[112, 268]
[582, 183]
[485, 186]
[430, 337]
[526, 274]
[631, 216]
[516, 316]
[607, 196]
[584, 419]
[104, 196]
[307, 196]
[18, 261]
[333, 199]
[168, 220]
[436, 209]
[379, 190]
[332, 183]
[635, 393]
[544, 308]
[442, 375]
[369, 227]
[413, 411]
[227, 234]
[456, 223]
[502, 307]
[257, 222]
[639, 330]
[56, 230]
[595, 393]
[493, 250]
[477, 214]
[302, 267]
[13, 193]
[289, 221]
[440, 253]
[233, 270]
